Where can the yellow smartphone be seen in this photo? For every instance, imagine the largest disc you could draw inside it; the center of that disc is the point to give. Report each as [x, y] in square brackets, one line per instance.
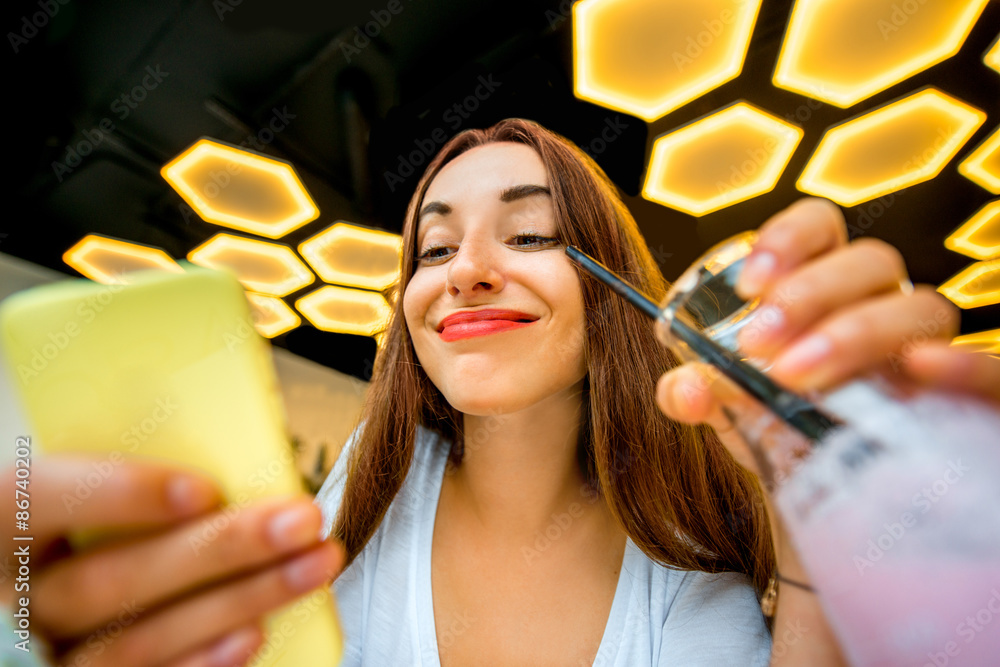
[168, 367]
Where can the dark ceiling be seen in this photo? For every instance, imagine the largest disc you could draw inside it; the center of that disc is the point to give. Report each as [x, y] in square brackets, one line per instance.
[357, 117]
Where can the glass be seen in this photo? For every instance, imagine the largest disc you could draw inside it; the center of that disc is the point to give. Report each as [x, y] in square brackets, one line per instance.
[895, 511]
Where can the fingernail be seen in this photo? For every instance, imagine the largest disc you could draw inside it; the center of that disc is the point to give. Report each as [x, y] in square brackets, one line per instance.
[766, 324]
[804, 356]
[294, 527]
[191, 494]
[755, 274]
[309, 571]
[235, 648]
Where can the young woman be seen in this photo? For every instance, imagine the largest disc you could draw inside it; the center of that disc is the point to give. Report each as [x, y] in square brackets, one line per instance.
[513, 493]
[513, 488]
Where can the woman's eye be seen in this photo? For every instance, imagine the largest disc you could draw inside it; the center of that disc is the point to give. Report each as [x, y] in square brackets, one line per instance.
[533, 240]
[432, 253]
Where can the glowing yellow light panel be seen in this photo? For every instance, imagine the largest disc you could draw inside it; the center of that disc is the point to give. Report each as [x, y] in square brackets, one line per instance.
[106, 260]
[983, 165]
[844, 51]
[648, 57]
[992, 56]
[263, 267]
[976, 285]
[727, 157]
[271, 316]
[352, 255]
[901, 144]
[979, 236]
[982, 341]
[241, 190]
[345, 310]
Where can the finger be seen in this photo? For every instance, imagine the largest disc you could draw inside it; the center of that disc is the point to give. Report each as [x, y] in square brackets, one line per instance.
[807, 228]
[171, 632]
[863, 337]
[694, 393]
[944, 366]
[75, 493]
[77, 595]
[683, 394]
[233, 650]
[801, 298]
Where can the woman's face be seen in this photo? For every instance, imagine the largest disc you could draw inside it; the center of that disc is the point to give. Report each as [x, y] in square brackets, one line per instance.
[486, 241]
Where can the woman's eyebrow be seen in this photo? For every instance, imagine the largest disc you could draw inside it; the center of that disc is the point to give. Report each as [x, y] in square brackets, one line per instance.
[521, 191]
[435, 207]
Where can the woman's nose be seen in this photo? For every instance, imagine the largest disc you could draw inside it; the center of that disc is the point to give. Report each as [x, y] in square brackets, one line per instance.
[475, 269]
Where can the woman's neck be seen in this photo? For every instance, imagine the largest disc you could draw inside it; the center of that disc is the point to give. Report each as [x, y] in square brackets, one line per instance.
[519, 469]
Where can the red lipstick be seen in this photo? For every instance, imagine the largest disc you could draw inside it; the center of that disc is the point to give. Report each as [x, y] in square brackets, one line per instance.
[468, 323]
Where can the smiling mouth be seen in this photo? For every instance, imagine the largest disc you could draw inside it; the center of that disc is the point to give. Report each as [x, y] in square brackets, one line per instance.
[475, 328]
[483, 322]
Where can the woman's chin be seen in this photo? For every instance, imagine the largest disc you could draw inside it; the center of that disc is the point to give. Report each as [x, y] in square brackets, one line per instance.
[486, 404]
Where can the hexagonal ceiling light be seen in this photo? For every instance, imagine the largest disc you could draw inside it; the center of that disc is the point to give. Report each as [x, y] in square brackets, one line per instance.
[846, 51]
[983, 164]
[648, 57]
[104, 259]
[345, 310]
[719, 160]
[351, 255]
[271, 316]
[240, 189]
[976, 285]
[901, 144]
[268, 268]
[979, 236]
[981, 341]
[992, 55]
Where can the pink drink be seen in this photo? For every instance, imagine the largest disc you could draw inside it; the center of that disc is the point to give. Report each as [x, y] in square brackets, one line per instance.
[902, 541]
[896, 515]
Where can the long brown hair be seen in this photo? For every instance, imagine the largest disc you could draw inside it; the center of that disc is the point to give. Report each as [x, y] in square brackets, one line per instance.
[675, 489]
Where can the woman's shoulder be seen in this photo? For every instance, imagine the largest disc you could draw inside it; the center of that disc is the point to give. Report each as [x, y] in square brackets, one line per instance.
[693, 615]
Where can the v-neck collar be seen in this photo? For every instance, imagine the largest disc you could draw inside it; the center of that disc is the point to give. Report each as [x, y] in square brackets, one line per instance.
[426, 627]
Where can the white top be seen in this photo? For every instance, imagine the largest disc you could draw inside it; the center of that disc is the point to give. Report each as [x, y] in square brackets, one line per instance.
[659, 616]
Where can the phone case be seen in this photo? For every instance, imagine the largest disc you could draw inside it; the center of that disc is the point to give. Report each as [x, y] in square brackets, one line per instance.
[170, 368]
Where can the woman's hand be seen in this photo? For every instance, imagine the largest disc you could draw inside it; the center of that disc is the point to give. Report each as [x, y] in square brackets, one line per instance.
[188, 586]
[831, 310]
